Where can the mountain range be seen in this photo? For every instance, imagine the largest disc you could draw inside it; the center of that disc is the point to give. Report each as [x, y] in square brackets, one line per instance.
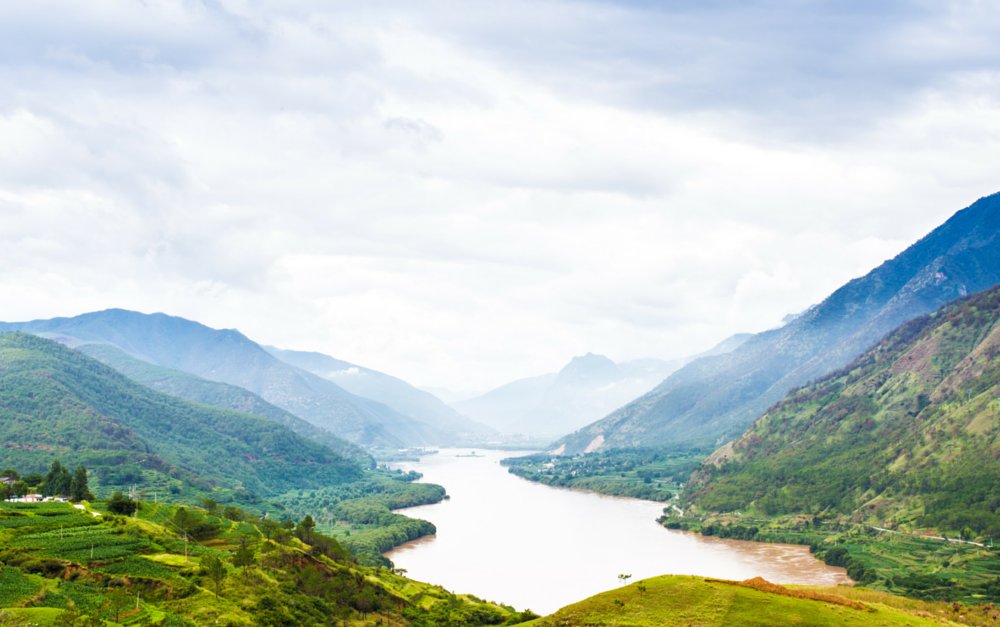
[56, 402]
[393, 392]
[228, 356]
[713, 399]
[909, 431]
[585, 389]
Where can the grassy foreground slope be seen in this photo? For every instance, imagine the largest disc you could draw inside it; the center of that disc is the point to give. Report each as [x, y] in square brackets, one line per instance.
[65, 566]
[58, 403]
[675, 601]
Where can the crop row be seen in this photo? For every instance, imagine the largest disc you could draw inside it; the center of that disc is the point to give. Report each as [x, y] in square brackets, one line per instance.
[44, 522]
[37, 540]
[85, 547]
[139, 567]
[15, 586]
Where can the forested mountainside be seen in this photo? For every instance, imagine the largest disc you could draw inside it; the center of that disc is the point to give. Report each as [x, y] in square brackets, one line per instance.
[58, 403]
[228, 356]
[184, 385]
[714, 398]
[585, 389]
[906, 434]
[391, 391]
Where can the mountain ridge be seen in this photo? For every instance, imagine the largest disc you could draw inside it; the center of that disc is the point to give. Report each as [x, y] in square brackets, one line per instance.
[585, 388]
[387, 389]
[714, 398]
[58, 402]
[228, 356]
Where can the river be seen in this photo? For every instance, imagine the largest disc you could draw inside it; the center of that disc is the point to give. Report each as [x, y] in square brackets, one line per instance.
[510, 540]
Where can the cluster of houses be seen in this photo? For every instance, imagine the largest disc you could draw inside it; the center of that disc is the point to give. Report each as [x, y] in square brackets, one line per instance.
[29, 498]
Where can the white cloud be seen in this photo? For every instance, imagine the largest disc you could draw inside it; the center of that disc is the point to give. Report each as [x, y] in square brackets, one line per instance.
[462, 197]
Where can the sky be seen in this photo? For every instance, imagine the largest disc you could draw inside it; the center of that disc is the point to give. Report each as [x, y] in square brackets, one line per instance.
[463, 194]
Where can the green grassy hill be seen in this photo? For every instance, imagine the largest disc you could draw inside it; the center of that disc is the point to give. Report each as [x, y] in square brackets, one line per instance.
[675, 601]
[718, 397]
[199, 390]
[58, 403]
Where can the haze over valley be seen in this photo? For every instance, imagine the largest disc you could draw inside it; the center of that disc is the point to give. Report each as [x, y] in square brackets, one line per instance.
[539, 314]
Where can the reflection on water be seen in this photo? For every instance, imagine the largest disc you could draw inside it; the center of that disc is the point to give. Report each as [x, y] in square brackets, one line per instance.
[531, 546]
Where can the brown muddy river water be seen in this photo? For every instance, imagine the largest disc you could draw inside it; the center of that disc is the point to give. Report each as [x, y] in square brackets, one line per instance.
[506, 539]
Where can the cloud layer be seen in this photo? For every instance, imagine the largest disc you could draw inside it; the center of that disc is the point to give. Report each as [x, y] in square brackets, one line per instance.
[462, 195]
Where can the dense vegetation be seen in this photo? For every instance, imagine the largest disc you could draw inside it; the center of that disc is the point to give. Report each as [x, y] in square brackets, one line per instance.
[199, 390]
[149, 570]
[56, 402]
[720, 396]
[906, 435]
[905, 439]
[359, 514]
[651, 474]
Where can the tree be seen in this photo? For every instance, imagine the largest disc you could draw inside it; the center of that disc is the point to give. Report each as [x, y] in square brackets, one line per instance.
[10, 473]
[78, 489]
[305, 528]
[20, 488]
[183, 520]
[120, 599]
[234, 514]
[624, 578]
[210, 505]
[269, 527]
[4, 492]
[243, 558]
[58, 481]
[122, 505]
[216, 571]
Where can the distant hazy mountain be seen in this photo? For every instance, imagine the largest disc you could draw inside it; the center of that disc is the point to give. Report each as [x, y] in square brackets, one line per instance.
[714, 398]
[587, 388]
[194, 388]
[395, 393]
[450, 396]
[227, 355]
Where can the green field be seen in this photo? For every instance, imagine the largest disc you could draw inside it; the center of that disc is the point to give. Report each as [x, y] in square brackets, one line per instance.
[675, 601]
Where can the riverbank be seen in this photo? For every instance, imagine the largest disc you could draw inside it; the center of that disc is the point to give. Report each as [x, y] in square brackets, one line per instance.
[360, 515]
[527, 544]
[648, 474]
[908, 564]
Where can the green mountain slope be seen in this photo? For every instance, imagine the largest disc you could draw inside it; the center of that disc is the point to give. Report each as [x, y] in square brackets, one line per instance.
[715, 398]
[192, 388]
[57, 402]
[905, 435]
[393, 392]
[228, 356]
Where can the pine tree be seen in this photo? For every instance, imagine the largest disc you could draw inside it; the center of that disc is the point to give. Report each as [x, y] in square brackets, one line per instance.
[58, 480]
[78, 489]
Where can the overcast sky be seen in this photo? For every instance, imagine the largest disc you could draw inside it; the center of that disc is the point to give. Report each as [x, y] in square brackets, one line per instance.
[462, 194]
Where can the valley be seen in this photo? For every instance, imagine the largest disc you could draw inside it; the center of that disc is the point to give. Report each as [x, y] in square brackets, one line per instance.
[218, 479]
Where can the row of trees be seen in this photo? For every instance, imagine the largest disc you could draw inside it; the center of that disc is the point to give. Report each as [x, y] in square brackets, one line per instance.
[58, 482]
